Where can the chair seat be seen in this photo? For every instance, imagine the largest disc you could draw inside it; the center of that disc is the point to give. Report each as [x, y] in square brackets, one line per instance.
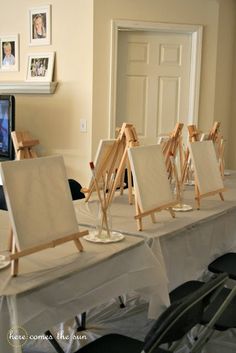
[228, 318]
[115, 343]
[185, 289]
[225, 263]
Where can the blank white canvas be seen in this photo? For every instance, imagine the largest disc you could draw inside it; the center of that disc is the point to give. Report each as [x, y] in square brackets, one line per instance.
[39, 200]
[151, 182]
[206, 167]
[103, 151]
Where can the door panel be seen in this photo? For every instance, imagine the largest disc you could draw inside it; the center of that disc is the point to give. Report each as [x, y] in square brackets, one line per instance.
[134, 102]
[153, 76]
[168, 103]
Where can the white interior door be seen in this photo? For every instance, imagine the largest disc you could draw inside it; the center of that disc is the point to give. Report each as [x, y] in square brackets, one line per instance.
[153, 81]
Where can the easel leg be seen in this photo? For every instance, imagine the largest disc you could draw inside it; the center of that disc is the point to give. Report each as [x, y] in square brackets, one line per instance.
[153, 217]
[78, 244]
[14, 263]
[10, 243]
[117, 178]
[129, 183]
[221, 196]
[139, 220]
[171, 212]
[90, 192]
[197, 196]
[122, 182]
[186, 168]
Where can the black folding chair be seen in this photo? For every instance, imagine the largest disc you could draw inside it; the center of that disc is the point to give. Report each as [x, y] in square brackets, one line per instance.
[75, 189]
[220, 315]
[225, 263]
[178, 319]
[3, 205]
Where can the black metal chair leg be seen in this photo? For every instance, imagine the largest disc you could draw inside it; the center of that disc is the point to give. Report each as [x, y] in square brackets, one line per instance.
[122, 304]
[54, 342]
[81, 324]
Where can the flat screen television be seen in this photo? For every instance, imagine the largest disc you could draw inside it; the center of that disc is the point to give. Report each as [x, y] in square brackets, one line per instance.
[7, 125]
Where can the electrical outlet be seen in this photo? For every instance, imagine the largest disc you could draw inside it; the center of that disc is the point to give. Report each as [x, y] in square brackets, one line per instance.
[83, 125]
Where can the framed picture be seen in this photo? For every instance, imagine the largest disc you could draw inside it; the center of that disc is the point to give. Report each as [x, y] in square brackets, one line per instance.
[40, 25]
[9, 56]
[40, 67]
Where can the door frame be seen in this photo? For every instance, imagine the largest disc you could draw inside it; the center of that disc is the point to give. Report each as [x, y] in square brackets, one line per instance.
[195, 68]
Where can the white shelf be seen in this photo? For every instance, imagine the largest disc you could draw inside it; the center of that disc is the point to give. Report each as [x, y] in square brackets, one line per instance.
[23, 87]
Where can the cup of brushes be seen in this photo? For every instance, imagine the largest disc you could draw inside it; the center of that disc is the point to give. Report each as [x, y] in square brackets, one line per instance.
[104, 190]
[103, 226]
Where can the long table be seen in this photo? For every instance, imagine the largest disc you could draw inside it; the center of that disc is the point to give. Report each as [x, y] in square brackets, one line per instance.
[180, 247]
[185, 244]
[56, 284]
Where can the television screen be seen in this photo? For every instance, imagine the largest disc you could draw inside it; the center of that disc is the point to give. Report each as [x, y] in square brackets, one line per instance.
[7, 124]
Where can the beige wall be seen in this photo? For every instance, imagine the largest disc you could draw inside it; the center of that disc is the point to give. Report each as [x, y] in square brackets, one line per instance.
[232, 127]
[81, 38]
[218, 20]
[224, 74]
[54, 119]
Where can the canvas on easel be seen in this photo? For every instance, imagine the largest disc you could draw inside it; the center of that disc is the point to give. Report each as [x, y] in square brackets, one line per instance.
[196, 135]
[208, 180]
[152, 187]
[104, 162]
[111, 159]
[39, 204]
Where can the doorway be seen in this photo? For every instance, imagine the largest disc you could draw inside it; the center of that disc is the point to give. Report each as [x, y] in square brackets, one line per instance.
[155, 75]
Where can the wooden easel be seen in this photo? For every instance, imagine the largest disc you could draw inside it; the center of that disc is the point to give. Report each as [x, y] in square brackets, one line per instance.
[194, 135]
[16, 254]
[173, 146]
[199, 196]
[214, 133]
[139, 214]
[218, 140]
[127, 137]
[218, 188]
[23, 144]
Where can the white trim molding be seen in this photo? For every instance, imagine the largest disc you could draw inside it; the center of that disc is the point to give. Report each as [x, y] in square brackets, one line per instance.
[22, 87]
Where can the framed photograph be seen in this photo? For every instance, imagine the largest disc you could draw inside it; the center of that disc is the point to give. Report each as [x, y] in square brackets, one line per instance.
[40, 25]
[40, 67]
[9, 56]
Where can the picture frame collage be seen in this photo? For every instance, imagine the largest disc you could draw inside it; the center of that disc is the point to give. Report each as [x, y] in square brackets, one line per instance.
[39, 64]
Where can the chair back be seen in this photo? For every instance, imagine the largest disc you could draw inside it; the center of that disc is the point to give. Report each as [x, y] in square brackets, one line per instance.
[75, 189]
[178, 319]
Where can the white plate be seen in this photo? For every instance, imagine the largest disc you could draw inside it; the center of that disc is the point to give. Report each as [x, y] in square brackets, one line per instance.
[182, 208]
[190, 183]
[115, 237]
[227, 173]
[4, 264]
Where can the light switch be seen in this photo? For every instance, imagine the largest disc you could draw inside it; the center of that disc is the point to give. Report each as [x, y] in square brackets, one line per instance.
[83, 125]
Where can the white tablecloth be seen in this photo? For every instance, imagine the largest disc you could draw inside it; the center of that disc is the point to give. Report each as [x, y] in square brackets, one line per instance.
[187, 243]
[56, 284]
